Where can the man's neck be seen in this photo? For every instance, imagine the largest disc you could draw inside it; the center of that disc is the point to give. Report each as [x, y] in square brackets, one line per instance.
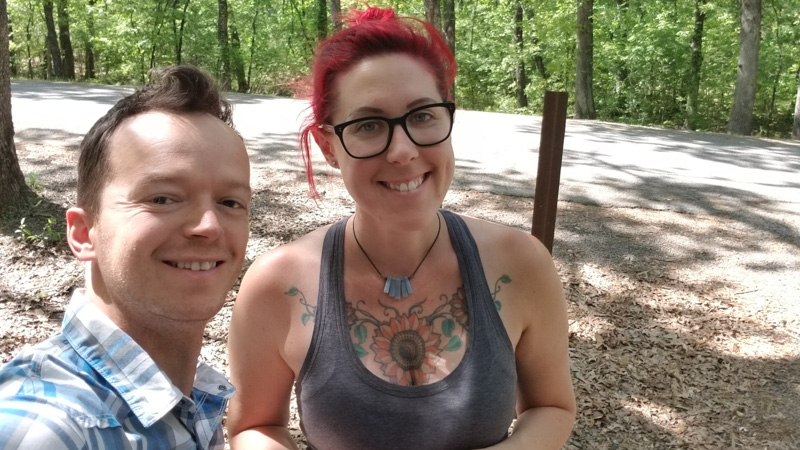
[174, 346]
[175, 351]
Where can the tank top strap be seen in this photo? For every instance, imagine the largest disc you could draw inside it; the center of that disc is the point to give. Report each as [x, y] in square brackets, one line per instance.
[331, 289]
[476, 289]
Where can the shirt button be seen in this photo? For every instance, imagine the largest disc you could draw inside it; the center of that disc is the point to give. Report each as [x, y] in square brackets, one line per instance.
[222, 387]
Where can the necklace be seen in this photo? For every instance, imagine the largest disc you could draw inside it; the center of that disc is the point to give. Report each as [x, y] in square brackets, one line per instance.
[398, 288]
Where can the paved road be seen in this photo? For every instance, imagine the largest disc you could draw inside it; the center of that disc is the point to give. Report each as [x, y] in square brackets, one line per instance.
[604, 164]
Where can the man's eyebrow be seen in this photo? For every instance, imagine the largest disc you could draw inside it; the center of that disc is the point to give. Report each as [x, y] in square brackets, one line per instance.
[159, 178]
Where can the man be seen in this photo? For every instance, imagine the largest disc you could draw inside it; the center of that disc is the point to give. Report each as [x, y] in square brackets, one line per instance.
[162, 225]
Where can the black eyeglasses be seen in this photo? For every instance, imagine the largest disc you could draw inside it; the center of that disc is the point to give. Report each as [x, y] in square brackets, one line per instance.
[370, 136]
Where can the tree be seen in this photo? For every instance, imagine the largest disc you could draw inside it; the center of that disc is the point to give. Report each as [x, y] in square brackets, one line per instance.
[620, 37]
[584, 78]
[52, 40]
[336, 15]
[12, 183]
[12, 61]
[89, 44]
[521, 77]
[796, 127]
[242, 84]
[449, 23]
[322, 19]
[433, 13]
[66, 41]
[224, 48]
[177, 28]
[744, 95]
[693, 89]
[538, 58]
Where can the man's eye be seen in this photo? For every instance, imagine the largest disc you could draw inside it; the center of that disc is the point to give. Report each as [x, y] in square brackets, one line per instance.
[232, 204]
[161, 200]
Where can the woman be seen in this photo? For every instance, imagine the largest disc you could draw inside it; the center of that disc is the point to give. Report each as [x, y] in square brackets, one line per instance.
[405, 326]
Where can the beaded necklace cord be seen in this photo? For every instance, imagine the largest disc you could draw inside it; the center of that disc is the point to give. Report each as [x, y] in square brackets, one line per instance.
[397, 288]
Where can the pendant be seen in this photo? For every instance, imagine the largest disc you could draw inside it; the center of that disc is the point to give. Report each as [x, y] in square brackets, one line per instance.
[397, 288]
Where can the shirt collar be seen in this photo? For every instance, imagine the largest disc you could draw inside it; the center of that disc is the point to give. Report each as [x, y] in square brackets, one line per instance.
[127, 367]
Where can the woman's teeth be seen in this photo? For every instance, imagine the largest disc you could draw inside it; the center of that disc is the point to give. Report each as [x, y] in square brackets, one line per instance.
[404, 187]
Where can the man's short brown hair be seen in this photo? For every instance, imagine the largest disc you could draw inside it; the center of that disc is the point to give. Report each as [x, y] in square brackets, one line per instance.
[176, 89]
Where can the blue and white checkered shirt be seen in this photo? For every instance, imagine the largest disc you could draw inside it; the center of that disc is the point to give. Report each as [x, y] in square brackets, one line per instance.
[93, 387]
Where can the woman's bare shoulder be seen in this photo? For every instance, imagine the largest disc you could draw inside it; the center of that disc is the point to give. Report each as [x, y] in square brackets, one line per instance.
[494, 238]
[295, 263]
[510, 253]
[288, 256]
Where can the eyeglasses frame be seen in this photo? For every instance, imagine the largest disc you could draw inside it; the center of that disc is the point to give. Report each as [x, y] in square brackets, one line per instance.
[339, 128]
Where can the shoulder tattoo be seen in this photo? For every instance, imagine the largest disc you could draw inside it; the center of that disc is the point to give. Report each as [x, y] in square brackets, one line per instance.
[505, 279]
[311, 310]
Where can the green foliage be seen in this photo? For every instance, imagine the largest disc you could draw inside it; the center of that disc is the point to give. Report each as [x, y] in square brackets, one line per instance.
[48, 237]
[33, 182]
[642, 50]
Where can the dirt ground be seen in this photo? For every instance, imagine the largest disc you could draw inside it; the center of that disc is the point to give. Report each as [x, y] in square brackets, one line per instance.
[680, 336]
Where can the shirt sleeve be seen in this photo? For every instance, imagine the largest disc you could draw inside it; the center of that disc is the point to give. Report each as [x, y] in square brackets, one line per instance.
[29, 423]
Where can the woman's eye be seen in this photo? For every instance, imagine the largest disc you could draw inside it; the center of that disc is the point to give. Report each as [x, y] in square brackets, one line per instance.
[422, 116]
[368, 127]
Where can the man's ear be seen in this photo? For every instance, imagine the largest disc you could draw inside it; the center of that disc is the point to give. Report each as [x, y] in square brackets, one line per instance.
[322, 138]
[79, 225]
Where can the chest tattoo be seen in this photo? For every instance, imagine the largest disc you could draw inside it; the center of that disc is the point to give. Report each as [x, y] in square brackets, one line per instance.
[407, 345]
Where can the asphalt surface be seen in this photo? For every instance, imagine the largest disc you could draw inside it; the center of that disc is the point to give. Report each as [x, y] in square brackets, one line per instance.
[604, 164]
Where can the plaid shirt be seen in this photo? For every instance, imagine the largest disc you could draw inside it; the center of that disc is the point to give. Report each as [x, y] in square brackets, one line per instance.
[93, 387]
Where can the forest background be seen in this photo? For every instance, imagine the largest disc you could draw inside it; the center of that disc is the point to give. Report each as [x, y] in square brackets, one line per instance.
[668, 63]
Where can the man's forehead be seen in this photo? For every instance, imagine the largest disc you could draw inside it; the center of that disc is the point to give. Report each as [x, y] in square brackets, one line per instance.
[154, 122]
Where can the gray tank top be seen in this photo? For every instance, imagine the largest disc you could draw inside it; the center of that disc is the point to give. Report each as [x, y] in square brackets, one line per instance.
[344, 406]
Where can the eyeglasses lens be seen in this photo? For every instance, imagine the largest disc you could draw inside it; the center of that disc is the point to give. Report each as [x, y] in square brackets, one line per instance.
[426, 126]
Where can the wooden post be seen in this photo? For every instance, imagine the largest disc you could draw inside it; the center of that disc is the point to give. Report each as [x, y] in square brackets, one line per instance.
[551, 149]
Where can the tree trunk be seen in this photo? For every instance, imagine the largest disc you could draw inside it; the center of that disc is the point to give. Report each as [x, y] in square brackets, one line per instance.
[449, 23]
[521, 78]
[779, 69]
[322, 19]
[584, 95]
[433, 13]
[177, 31]
[12, 62]
[89, 72]
[744, 96]
[336, 15]
[155, 35]
[538, 59]
[66, 40]
[52, 40]
[224, 48]
[621, 71]
[252, 48]
[12, 183]
[242, 84]
[796, 127]
[28, 26]
[693, 88]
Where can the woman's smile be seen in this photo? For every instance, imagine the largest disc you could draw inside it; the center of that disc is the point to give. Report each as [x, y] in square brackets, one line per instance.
[405, 186]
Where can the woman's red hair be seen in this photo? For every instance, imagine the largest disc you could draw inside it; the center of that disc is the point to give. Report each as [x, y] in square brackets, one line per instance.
[368, 33]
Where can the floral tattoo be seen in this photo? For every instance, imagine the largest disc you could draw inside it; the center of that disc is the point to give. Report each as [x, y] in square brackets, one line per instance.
[407, 344]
